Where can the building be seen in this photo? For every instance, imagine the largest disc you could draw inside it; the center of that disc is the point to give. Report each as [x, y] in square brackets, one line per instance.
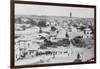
[88, 33]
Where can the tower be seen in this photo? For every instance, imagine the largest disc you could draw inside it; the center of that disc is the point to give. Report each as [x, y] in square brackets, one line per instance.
[70, 18]
[70, 14]
[70, 21]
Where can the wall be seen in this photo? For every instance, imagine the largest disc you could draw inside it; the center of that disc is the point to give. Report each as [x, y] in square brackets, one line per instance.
[5, 34]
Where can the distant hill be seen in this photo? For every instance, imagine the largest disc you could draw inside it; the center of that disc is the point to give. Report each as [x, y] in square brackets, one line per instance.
[34, 19]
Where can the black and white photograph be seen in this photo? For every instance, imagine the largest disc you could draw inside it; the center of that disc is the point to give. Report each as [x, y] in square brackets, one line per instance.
[45, 34]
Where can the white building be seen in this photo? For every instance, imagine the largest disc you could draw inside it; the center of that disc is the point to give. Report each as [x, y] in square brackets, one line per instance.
[88, 33]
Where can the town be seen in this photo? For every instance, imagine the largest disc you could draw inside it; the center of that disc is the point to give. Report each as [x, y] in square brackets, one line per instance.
[53, 39]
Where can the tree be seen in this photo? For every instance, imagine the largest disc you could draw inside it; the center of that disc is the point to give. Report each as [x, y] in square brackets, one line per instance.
[41, 23]
[23, 27]
[78, 56]
[53, 28]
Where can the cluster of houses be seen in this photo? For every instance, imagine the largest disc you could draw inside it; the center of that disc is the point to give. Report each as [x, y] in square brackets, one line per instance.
[29, 40]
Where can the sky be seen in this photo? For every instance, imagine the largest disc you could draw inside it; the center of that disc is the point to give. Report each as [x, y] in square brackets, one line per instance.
[26, 9]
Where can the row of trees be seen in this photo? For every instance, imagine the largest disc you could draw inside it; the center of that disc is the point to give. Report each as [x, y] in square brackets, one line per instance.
[21, 20]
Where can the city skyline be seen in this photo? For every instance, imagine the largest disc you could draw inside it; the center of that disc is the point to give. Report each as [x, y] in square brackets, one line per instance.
[25, 9]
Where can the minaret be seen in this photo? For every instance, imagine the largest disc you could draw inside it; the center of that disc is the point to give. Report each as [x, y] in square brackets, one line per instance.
[70, 14]
[70, 18]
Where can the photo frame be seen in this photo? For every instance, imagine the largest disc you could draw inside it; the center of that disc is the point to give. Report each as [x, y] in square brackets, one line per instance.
[52, 34]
